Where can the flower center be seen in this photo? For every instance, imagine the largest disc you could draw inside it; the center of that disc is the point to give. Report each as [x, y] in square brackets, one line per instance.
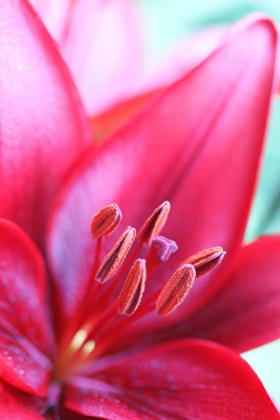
[110, 303]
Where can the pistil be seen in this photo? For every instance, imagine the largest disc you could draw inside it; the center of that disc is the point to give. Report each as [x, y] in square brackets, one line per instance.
[160, 252]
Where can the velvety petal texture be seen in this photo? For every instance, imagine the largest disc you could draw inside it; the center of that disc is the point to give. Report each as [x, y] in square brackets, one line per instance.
[43, 128]
[177, 149]
[25, 331]
[245, 313]
[187, 379]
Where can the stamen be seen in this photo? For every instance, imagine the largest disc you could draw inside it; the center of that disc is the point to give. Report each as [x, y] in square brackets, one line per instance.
[176, 290]
[88, 347]
[113, 261]
[105, 221]
[133, 289]
[154, 224]
[78, 339]
[207, 260]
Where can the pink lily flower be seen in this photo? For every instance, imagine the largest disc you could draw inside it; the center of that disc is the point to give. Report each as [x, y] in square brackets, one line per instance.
[72, 347]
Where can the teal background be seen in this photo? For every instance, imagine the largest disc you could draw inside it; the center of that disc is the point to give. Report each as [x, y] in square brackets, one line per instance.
[166, 22]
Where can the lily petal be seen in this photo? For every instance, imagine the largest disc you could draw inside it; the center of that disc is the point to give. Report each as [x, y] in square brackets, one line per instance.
[17, 405]
[43, 128]
[174, 65]
[245, 313]
[179, 380]
[178, 61]
[197, 145]
[102, 49]
[25, 331]
[55, 15]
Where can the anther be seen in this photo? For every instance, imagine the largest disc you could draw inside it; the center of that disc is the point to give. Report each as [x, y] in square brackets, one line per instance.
[78, 339]
[154, 224]
[105, 221]
[176, 290]
[88, 347]
[133, 289]
[207, 260]
[113, 261]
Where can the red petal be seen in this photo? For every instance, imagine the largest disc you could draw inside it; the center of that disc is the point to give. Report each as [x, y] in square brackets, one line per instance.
[23, 366]
[17, 405]
[246, 312]
[43, 128]
[175, 64]
[182, 379]
[25, 329]
[111, 120]
[198, 146]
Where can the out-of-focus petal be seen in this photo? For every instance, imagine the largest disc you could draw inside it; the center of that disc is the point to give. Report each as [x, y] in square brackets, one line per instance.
[43, 128]
[197, 146]
[245, 313]
[108, 122]
[17, 405]
[23, 287]
[102, 49]
[182, 379]
[182, 58]
[25, 331]
[55, 15]
[175, 64]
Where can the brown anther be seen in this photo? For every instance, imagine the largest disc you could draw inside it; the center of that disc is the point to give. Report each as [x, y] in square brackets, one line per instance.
[154, 224]
[176, 289]
[207, 260]
[105, 221]
[133, 289]
[113, 261]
